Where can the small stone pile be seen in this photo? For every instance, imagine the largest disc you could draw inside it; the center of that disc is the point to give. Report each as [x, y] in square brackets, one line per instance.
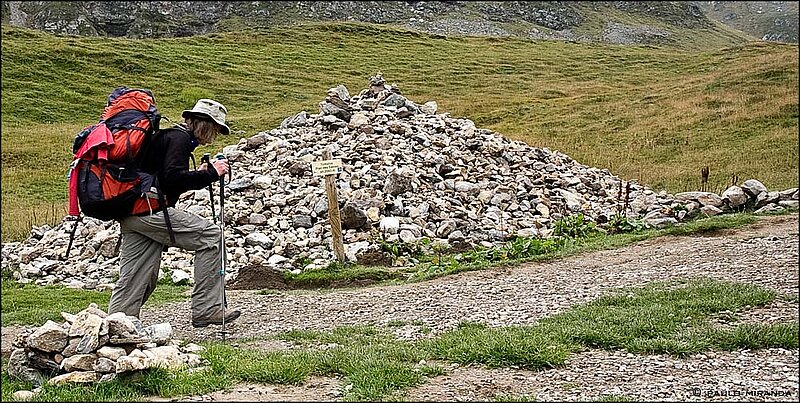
[752, 195]
[408, 173]
[92, 346]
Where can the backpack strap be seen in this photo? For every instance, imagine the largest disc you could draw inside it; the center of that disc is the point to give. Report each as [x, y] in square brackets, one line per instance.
[163, 203]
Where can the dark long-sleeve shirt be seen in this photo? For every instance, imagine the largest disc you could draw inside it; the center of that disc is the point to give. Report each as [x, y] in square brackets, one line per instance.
[169, 156]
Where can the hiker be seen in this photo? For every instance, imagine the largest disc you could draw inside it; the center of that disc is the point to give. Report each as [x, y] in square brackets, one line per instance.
[145, 236]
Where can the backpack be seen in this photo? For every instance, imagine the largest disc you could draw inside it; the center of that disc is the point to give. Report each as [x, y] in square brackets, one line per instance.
[104, 178]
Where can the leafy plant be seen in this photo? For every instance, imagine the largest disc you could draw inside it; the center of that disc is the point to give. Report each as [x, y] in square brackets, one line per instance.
[399, 248]
[301, 261]
[575, 226]
[619, 223]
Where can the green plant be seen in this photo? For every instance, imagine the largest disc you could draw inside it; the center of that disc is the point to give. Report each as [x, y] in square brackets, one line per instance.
[399, 248]
[517, 248]
[301, 261]
[576, 226]
[620, 223]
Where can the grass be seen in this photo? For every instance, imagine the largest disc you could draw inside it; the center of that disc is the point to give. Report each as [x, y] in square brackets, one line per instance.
[652, 114]
[33, 305]
[336, 273]
[665, 317]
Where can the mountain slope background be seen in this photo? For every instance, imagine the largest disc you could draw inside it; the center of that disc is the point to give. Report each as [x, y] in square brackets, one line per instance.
[767, 20]
[683, 24]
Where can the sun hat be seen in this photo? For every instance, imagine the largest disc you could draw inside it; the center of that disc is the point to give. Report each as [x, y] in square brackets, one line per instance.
[211, 109]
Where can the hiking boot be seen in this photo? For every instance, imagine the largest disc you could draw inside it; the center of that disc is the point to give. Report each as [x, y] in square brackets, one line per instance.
[216, 319]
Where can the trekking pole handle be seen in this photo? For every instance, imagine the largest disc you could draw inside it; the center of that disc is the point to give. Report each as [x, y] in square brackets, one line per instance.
[221, 156]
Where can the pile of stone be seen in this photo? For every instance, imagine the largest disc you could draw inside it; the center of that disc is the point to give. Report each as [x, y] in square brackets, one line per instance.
[92, 346]
[752, 195]
[408, 173]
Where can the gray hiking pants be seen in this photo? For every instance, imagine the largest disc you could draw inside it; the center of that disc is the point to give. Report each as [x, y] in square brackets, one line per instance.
[143, 240]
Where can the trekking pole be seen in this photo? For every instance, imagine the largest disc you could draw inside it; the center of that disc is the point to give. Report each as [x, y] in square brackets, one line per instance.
[72, 235]
[223, 254]
[206, 158]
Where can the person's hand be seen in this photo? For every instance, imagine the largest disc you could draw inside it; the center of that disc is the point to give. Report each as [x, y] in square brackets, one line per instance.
[221, 166]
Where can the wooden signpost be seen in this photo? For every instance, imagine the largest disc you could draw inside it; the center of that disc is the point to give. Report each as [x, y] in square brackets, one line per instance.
[328, 168]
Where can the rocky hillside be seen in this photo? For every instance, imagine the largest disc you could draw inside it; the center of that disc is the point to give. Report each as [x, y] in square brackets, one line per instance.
[624, 22]
[769, 20]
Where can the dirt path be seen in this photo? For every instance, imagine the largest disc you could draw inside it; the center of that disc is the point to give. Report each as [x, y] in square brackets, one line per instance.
[765, 253]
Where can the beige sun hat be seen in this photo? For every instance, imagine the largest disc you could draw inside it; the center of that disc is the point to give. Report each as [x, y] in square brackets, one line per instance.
[211, 109]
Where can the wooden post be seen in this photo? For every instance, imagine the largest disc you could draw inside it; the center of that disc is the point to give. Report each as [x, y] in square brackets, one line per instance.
[333, 213]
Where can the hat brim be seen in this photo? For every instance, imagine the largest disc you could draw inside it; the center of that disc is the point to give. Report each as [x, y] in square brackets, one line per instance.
[189, 113]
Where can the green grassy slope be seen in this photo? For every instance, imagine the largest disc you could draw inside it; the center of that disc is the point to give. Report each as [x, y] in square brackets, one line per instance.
[652, 114]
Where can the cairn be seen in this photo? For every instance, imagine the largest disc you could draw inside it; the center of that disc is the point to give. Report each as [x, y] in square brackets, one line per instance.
[92, 346]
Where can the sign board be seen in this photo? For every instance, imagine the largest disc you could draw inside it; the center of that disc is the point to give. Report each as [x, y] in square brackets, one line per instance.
[326, 167]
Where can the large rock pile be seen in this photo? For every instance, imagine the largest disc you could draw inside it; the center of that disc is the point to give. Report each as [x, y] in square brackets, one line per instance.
[408, 173]
[92, 346]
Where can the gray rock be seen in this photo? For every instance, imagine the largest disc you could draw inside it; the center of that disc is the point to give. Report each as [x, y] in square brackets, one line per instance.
[389, 225]
[276, 260]
[104, 366]
[445, 228]
[18, 368]
[23, 395]
[129, 363]
[297, 120]
[79, 362]
[407, 236]
[74, 377]
[662, 222]
[299, 168]
[341, 92]
[753, 187]
[402, 161]
[239, 184]
[72, 346]
[302, 221]
[180, 277]
[710, 210]
[429, 108]
[395, 100]
[257, 219]
[121, 325]
[159, 333]
[112, 353]
[769, 208]
[258, 239]
[256, 141]
[734, 197]
[710, 199]
[788, 194]
[353, 217]
[398, 182]
[49, 337]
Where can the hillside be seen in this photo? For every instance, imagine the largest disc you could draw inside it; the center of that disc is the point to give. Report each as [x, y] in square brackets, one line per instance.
[655, 115]
[680, 24]
[767, 20]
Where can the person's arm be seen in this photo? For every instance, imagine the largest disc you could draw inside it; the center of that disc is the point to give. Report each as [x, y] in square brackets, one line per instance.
[176, 176]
